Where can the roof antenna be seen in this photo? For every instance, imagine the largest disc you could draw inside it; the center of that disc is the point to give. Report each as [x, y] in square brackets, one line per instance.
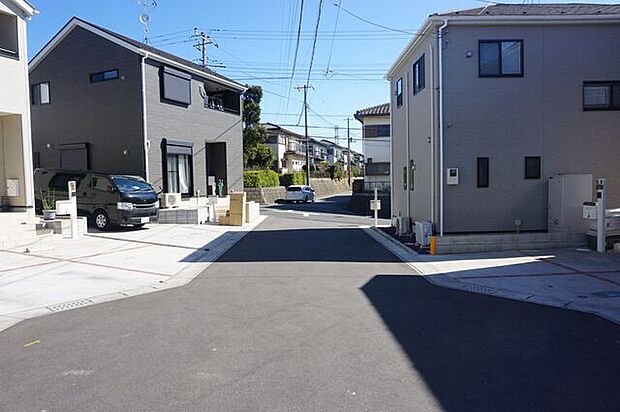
[145, 17]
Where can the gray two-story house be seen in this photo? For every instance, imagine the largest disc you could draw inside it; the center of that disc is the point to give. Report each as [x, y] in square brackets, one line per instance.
[102, 101]
[489, 103]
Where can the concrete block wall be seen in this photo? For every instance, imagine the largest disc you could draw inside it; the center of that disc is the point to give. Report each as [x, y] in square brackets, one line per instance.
[476, 243]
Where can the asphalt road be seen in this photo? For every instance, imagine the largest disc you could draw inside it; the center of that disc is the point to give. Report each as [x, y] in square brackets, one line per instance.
[309, 313]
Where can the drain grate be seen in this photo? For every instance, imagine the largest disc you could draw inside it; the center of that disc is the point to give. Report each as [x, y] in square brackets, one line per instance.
[70, 305]
[480, 289]
[608, 294]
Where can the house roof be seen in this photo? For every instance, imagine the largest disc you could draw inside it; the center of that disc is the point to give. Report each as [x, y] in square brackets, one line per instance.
[24, 5]
[554, 9]
[273, 126]
[133, 45]
[378, 110]
[498, 13]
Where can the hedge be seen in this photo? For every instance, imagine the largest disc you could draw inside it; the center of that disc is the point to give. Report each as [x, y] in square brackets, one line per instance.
[260, 178]
[294, 178]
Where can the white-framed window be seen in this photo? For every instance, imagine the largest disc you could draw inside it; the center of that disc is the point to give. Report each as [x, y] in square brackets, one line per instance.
[40, 93]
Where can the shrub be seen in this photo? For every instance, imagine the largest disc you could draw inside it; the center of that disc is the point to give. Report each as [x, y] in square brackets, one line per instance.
[336, 171]
[294, 178]
[260, 178]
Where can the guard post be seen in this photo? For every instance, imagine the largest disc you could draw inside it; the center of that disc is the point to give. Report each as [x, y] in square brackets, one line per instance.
[601, 197]
[72, 188]
[375, 206]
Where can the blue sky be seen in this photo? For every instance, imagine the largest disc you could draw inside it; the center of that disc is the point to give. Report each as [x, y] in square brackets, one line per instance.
[257, 42]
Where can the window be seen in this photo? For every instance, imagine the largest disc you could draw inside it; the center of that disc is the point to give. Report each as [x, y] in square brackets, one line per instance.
[532, 167]
[418, 75]
[377, 130]
[103, 76]
[178, 167]
[40, 93]
[101, 184]
[500, 58]
[9, 45]
[405, 178]
[176, 86]
[601, 95]
[483, 172]
[399, 92]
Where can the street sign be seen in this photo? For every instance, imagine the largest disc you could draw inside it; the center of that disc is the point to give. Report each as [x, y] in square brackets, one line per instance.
[375, 205]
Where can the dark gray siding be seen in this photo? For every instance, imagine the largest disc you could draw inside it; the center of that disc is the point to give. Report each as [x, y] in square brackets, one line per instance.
[106, 115]
[195, 124]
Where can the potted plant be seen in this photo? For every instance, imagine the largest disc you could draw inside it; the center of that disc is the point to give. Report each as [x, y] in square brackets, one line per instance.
[48, 202]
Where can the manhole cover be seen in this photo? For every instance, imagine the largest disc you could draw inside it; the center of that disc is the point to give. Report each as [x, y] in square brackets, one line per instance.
[608, 294]
[70, 305]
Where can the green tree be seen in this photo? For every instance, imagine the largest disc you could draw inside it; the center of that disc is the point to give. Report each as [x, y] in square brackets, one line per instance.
[256, 154]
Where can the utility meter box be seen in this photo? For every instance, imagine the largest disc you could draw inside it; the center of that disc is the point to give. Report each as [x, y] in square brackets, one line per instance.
[12, 187]
[589, 210]
[567, 194]
[453, 176]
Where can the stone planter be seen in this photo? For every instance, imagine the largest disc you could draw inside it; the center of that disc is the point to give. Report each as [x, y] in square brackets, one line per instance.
[49, 215]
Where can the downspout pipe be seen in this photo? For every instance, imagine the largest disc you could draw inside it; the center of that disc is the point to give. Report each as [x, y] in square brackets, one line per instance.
[408, 146]
[441, 144]
[144, 119]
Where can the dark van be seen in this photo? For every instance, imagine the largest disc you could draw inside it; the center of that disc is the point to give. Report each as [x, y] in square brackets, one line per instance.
[104, 198]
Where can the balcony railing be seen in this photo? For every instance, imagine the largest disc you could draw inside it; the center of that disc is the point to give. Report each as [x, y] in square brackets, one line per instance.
[215, 103]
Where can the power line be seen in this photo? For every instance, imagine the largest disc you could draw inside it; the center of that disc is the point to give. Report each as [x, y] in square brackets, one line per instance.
[290, 86]
[370, 22]
[316, 32]
[331, 47]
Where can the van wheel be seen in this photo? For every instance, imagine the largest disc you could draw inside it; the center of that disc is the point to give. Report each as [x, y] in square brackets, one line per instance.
[102, 222]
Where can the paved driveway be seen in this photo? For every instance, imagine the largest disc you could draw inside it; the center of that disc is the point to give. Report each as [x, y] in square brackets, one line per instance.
[56, 273]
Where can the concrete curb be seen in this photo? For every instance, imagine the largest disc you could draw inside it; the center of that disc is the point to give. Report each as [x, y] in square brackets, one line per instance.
[437, 278]
[220, 246]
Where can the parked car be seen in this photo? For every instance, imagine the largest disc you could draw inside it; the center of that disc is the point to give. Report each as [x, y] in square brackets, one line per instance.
[297, 193]
[105, 199]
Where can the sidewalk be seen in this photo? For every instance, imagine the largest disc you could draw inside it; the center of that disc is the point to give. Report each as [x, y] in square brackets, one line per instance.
[567, 278]
[56, 274]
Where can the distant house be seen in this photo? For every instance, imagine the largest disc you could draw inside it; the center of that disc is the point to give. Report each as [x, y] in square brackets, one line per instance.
[318, 151]
[340, 154]
[16, 185]
[489, 103]
[288, 147]
[376, 143]
[105, 102]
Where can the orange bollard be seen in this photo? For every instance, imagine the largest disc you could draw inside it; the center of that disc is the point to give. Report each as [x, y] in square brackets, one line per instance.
[433, 245]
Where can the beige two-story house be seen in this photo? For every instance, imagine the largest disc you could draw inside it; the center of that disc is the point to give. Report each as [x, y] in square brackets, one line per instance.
[489, 103]
[16, 187]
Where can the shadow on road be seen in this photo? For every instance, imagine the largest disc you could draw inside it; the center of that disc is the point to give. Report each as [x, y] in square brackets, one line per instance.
[478, 352]
[303, 245]
[338, 204]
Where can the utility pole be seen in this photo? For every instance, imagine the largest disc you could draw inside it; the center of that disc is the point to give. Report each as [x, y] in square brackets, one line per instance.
[336, 136]
[305, 88]
[201, 46]
[349, 152]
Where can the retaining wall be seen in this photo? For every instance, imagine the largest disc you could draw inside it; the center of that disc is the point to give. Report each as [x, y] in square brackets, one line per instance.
[323, 187]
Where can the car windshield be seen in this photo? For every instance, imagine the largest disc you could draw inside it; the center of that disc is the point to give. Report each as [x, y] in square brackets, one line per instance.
[130, 184]
[294, 189]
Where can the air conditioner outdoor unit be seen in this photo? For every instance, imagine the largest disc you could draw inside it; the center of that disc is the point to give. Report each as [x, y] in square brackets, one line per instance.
[423, 232]
[170, 200]
[403, 225]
